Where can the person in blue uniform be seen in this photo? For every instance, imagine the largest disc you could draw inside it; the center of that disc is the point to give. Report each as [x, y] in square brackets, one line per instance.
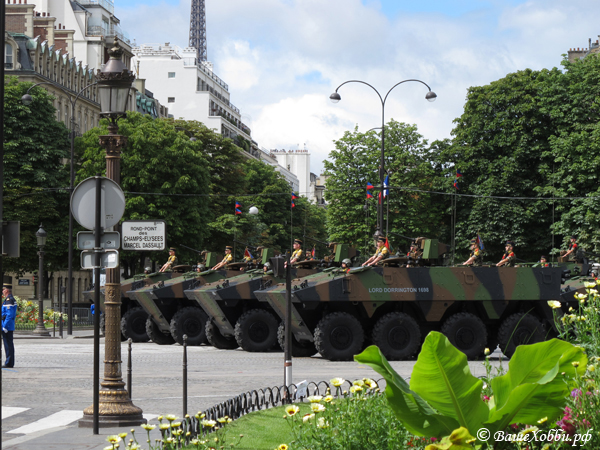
[9, 313]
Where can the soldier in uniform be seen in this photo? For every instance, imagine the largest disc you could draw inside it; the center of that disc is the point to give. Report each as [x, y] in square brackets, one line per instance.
[508, 259]
[267, 268]
[297, 254]
[381, 253]
[9, 313]
[414, 253]
[226, 259]
[543, 262]
[171, 262]
[572, 249]
[346, 265]
[476, 256]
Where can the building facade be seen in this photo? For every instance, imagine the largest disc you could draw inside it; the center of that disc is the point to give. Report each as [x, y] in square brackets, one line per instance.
[297, 162]
[579, 53]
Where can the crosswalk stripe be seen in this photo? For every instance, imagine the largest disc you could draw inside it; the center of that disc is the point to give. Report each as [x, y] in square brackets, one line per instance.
[59, 419]
[8, 411]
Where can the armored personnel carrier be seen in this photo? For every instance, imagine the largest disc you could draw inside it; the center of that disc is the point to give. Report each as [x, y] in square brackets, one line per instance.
[395, 306]
[237, 318]
[170, 314]
[133, 316]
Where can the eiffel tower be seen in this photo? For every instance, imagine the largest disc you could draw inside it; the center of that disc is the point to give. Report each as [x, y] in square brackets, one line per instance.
[198, 29]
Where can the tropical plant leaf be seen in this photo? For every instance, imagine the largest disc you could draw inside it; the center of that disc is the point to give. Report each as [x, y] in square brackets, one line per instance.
[536, 384]
[417, 416]
[443, 378]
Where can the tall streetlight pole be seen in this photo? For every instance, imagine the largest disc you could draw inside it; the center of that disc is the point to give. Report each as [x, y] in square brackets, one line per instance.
[335, 97]
[40, 329]
[27, 100]
[115, 406]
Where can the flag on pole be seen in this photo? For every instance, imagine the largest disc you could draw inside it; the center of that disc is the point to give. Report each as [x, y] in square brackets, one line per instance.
[387, 244]
[247, 254]
[294, 197]
[456, 184]
[370, 186]
[458, 173]
[480, 242]
[237, 210]
[386, 184]
[380, 198]
[313, 252]
[369, 195]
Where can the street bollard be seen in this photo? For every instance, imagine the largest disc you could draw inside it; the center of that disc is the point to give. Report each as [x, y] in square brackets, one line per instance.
[184, 375]
[129, 341]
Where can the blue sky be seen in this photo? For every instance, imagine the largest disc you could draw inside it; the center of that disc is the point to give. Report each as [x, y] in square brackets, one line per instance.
[282, 58]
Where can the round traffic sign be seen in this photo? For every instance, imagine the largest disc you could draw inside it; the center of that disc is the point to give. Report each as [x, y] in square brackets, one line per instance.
[83, 203]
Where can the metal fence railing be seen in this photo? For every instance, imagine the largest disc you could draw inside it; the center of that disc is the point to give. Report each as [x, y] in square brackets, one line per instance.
[82, 317]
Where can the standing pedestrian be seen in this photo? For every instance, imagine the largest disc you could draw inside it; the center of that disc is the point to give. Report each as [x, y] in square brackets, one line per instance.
[9, 313]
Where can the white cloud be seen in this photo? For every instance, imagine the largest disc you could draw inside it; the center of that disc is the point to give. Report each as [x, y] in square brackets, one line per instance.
[282, 59]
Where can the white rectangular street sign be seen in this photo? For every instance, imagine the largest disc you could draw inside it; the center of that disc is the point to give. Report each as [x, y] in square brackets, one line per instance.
[109, 259]
[144, 235]
[110, 240]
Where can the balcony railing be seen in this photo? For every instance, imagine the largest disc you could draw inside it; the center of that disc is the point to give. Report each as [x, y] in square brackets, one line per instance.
[99, 30]
[106, 4]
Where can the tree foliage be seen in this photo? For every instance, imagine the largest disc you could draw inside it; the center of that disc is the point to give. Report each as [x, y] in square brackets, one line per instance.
[36, 152]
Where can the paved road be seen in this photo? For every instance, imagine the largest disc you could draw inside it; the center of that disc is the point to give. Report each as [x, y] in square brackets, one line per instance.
[53, 381]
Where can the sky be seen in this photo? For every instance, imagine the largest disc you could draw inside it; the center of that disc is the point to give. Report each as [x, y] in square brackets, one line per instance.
[283, 58]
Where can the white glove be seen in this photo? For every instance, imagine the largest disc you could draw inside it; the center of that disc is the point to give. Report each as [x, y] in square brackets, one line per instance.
[5, 330]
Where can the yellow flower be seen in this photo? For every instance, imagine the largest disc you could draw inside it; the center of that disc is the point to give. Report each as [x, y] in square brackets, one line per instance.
[208, 423]
[314, 398]
[328, 398]
[171, 417]
[591, 368]
[486, 351]
[148, 427]
[575, 363]
[113, 439]
[371, 384]
[200, 415]
[291, 410]
[543, 419]
[160, 418]
[317, 407]
[589, 284]
[554, 304]
[322, 423]
[222, 420]
[282, 447]
[308, 417]
[355, 389]
[358, 383]
[528, 430]
[122, 435]
[164, 426]
[176, 424]
[337, 382]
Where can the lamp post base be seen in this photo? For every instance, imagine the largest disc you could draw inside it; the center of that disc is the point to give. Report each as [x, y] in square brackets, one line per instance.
[115, 410]
[41, 331]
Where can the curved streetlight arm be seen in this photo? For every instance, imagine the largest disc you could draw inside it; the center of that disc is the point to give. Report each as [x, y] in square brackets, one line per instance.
[412, 79]
[362, 82]
[69, 94]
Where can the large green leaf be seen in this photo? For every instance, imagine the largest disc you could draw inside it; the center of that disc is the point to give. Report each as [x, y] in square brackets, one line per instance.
[442, 377]
[417, 416]
[536, 384]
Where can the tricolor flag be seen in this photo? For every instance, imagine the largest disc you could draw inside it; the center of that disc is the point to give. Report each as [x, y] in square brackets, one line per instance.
[313, 252]
[480, 242]
[237, 208]
[370, 186]
[458, 173]
[386, 184]
[456, 184]
[294, 197]
[247, 254]
[387, 244]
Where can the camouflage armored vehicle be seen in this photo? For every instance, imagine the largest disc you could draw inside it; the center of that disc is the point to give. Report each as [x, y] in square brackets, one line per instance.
[133, 316]
[237, 318]
[394, 306]
[170, 314]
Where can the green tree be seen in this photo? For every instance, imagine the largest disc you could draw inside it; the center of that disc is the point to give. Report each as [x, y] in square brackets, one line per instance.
[501, 145]
[35, 150]
[355, 161]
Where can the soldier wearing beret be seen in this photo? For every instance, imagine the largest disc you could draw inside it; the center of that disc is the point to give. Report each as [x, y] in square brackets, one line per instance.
[297, 254]
[508, 259]
[228, 258]
[9, 313]
[171, 262]
[572, 250]
[476, 256]
[381, 253]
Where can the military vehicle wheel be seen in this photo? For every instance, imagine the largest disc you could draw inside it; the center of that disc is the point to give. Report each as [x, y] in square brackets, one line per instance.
[467, 333]
[300, 349]
[190, 321]
[397, 335]
[157, 336]
[133, 324]
[519, 329]
[217, 340]
[256, 331]
[339, 336]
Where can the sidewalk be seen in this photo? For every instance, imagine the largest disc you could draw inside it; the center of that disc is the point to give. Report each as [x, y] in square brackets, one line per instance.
[78, 333]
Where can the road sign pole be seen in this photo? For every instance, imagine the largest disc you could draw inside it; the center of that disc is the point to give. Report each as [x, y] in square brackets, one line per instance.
[97, 311]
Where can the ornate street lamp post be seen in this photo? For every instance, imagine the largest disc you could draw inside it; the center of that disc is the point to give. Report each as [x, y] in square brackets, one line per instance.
[115, 405]
[40, 329]
[335, 97]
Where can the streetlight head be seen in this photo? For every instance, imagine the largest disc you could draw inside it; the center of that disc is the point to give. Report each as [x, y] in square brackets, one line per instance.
[335, 97]
[27, 99]
[114, 84]
[431, 96]
[41, 236]
[253, 210]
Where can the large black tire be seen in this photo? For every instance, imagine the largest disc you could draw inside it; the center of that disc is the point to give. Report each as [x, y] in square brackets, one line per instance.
[190, 321]
[466, 332]
[519, 329]
[157, 336]
[339, 336]
[397, 335]
[256, 331]
[300, 349]
[133, 324]
[216, 338]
